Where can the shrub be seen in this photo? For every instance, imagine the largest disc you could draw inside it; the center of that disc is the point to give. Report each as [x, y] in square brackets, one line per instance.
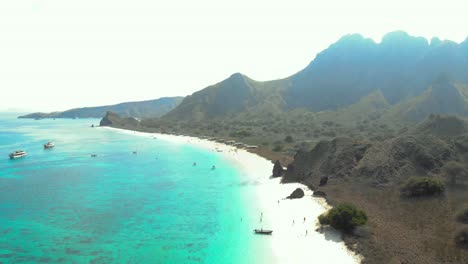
[422, 186]
[461, 238]
[278, 148]
[344, 217]
[323, 219]
[240, 134]
[454, 171]
[462, 216]
[288, 139]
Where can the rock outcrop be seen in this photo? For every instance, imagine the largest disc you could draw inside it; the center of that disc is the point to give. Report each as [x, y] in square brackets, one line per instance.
[387, 162]
[277, 169]
[297, 194]
[323, 180]
[319, 194]
[114, 120]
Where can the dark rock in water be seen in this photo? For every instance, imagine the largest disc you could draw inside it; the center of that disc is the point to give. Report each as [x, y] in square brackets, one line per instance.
[319, 194]
[277, 169]
[323, 180]
[298, 193]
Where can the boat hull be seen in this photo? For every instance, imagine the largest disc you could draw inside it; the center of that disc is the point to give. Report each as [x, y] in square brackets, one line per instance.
[17, 156]
[263, 232]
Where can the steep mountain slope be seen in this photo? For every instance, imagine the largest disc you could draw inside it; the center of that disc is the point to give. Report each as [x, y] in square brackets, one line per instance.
[401, 67]
[442, 126]
[236, 94]
[142, 109]
[442, 97]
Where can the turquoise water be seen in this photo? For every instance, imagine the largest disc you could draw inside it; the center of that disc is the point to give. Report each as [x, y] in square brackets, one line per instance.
[61, 205]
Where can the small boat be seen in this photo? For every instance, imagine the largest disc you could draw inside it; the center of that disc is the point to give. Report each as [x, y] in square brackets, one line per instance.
[17, 154]
[93, 155]
[194, 164]
[134, 152]
[213, 168]
[263, 232]
[49, 145]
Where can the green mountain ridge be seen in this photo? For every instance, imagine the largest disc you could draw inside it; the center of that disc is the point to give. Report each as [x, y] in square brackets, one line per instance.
[140, 109]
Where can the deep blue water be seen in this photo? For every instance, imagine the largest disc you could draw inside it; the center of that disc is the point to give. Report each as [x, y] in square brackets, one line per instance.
[62, 205]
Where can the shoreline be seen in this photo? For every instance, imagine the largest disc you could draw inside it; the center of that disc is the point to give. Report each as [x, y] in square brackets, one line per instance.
[294, 239]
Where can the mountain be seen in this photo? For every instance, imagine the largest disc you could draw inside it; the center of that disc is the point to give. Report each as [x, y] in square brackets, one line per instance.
[442, 97]
[401, 67]
[141, 109]
[236, 94]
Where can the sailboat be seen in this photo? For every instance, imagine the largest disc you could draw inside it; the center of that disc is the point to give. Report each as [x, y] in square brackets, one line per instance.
[261, 231]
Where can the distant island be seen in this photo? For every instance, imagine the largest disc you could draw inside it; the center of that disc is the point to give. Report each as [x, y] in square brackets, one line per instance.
[140, 109]
[380, 125]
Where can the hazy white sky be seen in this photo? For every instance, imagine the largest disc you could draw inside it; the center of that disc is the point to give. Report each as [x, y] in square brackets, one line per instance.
[59, 54]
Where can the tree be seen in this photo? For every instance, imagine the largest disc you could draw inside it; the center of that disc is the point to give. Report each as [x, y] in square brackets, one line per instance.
[462, 215]
[288, 139]
[455, 172]
[344, 217]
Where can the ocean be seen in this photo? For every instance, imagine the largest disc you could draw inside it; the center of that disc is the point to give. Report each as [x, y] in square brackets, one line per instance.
[61, 205]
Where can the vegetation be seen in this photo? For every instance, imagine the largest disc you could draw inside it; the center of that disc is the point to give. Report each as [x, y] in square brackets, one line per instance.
[344, 217]
[461, 238]
[455, 172]
[462, 215]
[277, 148]
[422, 186]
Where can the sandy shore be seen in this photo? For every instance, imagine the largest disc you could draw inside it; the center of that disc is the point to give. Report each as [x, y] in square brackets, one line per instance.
[294, 239]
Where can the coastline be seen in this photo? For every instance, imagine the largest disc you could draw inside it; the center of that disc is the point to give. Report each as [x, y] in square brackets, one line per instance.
[294, 239]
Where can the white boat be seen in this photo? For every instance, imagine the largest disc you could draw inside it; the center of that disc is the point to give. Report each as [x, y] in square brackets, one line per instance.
[17, 154]
[49, 145]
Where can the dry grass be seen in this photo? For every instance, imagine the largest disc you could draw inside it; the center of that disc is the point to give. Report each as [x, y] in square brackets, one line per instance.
[417, 230]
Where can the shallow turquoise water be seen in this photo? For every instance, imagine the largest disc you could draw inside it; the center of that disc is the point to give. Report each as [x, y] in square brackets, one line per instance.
[61, 205]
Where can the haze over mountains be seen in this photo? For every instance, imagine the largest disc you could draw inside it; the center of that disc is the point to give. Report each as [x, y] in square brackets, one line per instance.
[141, 109]
[415, 76]
[403, 78]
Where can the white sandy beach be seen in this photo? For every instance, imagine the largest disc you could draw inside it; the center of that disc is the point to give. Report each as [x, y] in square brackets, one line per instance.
[289, 243]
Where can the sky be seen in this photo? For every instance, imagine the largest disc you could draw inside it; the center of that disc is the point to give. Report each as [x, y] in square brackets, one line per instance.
[61, 54]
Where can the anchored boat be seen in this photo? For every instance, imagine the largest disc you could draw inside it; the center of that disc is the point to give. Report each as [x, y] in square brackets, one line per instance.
[49, 145]
[263, 232]
[17, 154]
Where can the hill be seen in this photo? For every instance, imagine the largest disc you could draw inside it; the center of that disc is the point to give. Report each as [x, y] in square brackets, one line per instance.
[236, 94]
[141, 109]
[370, 174]
[444, 96]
